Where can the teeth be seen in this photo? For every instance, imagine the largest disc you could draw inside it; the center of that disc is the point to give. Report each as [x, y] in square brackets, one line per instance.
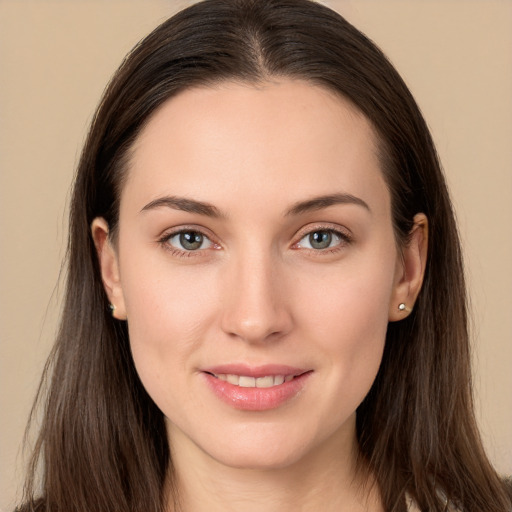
[233, 379]
[245, 381]
[279, 379]
[264, 382]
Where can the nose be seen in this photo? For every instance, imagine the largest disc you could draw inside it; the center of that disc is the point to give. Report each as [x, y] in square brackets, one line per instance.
[256, 307]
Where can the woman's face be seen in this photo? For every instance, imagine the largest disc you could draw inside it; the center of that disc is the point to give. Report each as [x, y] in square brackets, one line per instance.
[257, 267]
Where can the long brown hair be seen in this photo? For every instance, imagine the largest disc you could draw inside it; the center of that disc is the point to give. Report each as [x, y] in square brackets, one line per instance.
[102, 444]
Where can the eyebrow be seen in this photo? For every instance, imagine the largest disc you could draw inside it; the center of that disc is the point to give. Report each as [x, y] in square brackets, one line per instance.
[185, 205]
[317, 203]
[207, 209]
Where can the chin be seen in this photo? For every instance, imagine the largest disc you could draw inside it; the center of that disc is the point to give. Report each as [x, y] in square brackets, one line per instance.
[259, 460]
[263, 450]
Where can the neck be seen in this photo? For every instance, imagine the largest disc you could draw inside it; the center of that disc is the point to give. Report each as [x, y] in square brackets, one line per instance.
[327, 480]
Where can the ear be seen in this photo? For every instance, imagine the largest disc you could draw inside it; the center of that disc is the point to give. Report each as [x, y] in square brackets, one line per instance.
[109, 267]
[410, 270]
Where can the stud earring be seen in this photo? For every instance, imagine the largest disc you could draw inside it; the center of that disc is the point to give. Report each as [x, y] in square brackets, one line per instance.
[112, 308]
[403, 307]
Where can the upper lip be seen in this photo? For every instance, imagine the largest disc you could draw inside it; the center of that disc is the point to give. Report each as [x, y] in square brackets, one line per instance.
[254, 371]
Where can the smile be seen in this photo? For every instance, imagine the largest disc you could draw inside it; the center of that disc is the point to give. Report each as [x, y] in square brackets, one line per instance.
[246, 381]
[256, 389]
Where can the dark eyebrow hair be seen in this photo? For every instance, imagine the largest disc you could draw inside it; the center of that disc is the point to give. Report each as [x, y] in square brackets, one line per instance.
[184, 204]
[320, 202]
[207, 209]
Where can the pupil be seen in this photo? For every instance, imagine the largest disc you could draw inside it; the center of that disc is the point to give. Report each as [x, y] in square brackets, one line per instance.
[191, 240]
[320, 239]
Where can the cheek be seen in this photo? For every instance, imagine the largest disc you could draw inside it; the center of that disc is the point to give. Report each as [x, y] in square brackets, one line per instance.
[169, 314]
[161, 294]
[347, 316]
[351, 299]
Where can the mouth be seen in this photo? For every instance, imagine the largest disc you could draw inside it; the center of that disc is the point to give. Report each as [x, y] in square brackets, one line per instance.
[256, 389]
[246, 381]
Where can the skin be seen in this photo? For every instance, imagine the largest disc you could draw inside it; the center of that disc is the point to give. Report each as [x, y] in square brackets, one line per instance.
[260, 293]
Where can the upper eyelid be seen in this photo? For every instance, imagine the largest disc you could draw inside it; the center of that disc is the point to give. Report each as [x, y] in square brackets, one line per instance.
[306, 230]
[170, 232]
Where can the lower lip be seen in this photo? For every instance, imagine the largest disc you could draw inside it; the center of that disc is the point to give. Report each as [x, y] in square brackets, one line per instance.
[256, 399]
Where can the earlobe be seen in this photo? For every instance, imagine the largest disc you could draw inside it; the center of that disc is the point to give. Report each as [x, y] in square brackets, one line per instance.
[411, 272]
[109, 267]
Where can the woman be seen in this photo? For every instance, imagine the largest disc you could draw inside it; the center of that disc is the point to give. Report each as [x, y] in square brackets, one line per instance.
[265, 304]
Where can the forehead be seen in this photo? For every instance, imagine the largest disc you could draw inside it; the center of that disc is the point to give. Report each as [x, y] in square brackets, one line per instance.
[282, 135]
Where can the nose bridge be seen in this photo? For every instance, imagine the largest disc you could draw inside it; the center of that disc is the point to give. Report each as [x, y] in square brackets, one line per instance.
[255, 309]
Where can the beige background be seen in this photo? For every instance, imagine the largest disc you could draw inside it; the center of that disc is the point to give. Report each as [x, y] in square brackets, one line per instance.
[55, 59]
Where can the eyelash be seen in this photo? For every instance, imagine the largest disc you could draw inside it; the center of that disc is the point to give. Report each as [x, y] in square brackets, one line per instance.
[345, 238]
[164, 242]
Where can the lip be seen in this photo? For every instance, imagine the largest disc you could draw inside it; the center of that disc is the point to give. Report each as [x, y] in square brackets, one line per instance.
[256, 399]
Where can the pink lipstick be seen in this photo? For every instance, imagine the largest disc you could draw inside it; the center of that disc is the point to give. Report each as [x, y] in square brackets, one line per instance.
[255, 388]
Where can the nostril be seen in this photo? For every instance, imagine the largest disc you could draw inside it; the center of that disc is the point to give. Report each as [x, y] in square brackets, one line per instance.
[253, 310]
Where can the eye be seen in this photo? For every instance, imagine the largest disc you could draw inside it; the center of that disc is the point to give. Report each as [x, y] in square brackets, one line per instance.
[189, 241]
[321, 239]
